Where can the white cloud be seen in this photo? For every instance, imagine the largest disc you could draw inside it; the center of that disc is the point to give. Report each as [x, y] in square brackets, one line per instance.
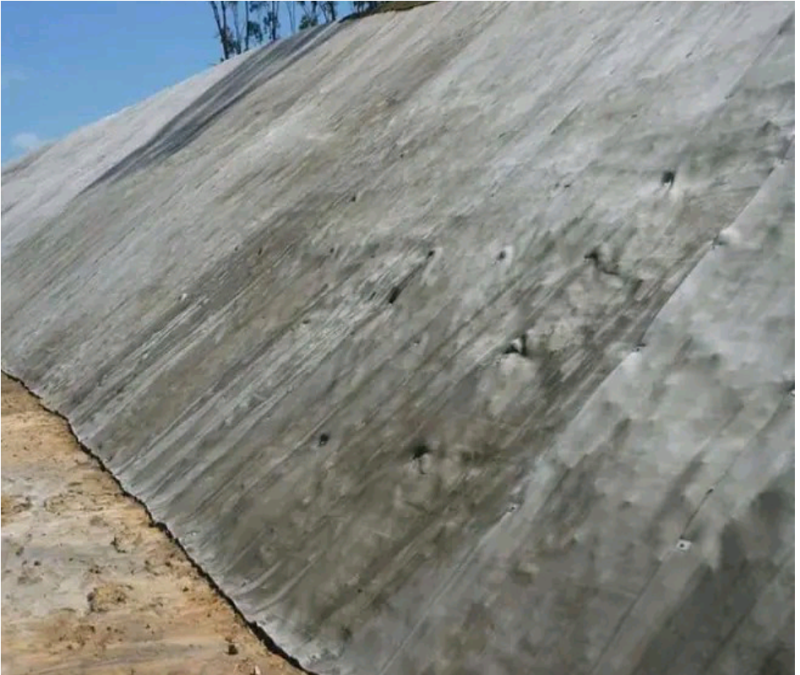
[12, 74]
[26, 140]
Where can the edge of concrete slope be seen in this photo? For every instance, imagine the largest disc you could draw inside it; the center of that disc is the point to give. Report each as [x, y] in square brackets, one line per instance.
[457, 340]
[91, 584]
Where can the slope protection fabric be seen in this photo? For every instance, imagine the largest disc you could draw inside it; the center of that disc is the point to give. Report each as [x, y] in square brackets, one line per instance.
[451, 341]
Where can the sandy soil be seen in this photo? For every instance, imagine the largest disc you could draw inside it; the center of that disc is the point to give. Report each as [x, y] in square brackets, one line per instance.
[88, 585]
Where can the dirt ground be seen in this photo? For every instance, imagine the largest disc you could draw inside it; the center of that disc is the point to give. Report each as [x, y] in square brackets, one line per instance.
[88, 585]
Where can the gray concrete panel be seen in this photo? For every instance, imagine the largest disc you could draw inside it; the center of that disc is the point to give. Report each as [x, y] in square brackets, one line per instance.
[457, 340]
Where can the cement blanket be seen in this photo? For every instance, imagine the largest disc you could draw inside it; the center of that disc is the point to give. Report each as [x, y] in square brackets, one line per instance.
[458, 340]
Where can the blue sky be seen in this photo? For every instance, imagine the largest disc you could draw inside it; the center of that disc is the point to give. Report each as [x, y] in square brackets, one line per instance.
[67, 64]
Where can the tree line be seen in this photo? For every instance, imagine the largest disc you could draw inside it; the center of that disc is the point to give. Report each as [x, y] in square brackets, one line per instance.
[244, 25]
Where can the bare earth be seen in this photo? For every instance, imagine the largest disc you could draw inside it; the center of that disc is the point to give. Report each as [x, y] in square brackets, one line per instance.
[89, 585]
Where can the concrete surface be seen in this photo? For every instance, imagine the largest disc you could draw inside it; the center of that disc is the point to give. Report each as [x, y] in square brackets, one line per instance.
[451, 341]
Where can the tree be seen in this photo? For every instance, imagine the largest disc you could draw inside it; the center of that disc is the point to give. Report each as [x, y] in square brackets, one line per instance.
[238, 32]
[240, 28]
[328, 11]
[222, 29]
[363, 7]
[310, 14]
[307, 22]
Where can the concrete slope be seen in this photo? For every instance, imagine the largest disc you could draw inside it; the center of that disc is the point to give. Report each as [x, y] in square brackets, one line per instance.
[457, 340]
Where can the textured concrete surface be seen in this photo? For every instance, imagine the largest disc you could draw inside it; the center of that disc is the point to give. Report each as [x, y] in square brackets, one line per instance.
[451, 341]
